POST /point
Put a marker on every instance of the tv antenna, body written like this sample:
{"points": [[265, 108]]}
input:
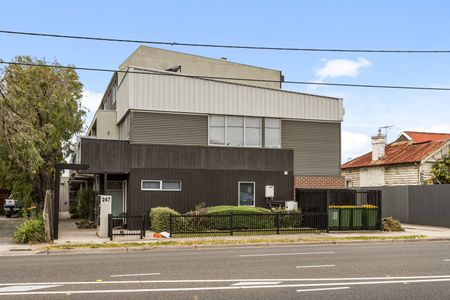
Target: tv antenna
{"points": [[385, 128]]}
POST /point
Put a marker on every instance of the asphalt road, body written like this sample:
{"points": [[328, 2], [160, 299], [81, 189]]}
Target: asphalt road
{"points": [[401, 270]]}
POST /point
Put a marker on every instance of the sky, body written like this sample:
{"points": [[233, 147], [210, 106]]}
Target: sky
{"points": [[379, 24]]}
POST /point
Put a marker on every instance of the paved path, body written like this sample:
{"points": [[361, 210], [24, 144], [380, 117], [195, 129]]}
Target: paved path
{"points": [[7, 227], [419, 270]]}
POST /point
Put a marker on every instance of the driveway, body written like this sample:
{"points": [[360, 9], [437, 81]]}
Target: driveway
{"points": [[7, 227]]}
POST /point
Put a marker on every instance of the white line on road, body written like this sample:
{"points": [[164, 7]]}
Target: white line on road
{"points": [[316, 266], [25, 288], [446, 259], [131, 275], [286, 254], [218, 288], [325, 289], [256, 283], [115, 282]]}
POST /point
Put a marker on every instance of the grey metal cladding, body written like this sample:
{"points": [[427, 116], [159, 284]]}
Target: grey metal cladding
{"points": [[316, 145], [169, 129]]}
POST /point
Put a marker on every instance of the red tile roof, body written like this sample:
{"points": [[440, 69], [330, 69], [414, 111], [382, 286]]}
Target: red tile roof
{"points": [[420, 147], [420, 137]]}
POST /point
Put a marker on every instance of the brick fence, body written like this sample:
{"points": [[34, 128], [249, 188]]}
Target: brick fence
{"points": [[319, 182]]}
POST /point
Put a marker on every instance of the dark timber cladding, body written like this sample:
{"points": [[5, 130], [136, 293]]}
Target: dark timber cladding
{"points": [[115, 156], [213, 187], [207, 174], [317, 146]]}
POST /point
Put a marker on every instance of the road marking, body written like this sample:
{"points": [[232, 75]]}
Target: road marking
{"points": [[115, 282], [325, 289], [446, 259], [25, 288], [316, 266], [256, 283], [131, 275], [218, 288], [286, 254]]}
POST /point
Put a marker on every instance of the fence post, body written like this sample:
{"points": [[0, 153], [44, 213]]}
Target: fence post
{"points": [[277, 221], [110, 221], [143, 226], [170, 225], [380, 209], [327, 215], [231, 223]]}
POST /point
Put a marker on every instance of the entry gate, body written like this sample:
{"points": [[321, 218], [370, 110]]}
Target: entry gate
{"points": [[126, 226]]}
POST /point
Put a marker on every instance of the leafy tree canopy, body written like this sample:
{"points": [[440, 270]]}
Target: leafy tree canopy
{"points": [[40, 111], [441, 170]]}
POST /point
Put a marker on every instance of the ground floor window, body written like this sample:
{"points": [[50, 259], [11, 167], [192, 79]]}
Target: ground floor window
{"points": [[161, 185], [246, 193]]}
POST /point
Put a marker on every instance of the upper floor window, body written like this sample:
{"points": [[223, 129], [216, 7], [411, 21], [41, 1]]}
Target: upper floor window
{"points": [[235, 131], [272, 133]]}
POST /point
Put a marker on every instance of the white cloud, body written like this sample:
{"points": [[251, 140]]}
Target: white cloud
{"points": [[341, 68], [354, 144], [90, 101]]}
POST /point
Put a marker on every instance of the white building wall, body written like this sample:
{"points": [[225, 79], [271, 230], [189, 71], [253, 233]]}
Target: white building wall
{"points": [[352, 176], [373, 176], [181, 94]]}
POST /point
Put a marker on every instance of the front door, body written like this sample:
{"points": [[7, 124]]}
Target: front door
{"points": [[116, 190]]}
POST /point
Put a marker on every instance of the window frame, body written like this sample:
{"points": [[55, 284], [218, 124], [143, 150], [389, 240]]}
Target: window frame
{"points": [[254, 193], [279, 132], [261, 128], [160, 185]]}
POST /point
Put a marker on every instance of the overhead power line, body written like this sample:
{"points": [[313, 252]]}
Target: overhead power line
{"points": [[248, 47], [157, 73]]}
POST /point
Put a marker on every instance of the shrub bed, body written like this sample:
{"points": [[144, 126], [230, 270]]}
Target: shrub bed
{"points": [[30, 231], [218, 218], [391, 224]]}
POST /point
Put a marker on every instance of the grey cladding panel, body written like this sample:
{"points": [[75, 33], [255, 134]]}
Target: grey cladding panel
{"points": [[171, 129], [317, 146]]}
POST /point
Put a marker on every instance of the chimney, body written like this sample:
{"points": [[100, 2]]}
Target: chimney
{"points": [[378, 146]]}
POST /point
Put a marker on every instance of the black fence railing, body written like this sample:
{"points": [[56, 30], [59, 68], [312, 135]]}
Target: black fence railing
{"points": [[229, 224], [348, 209], [126, 226]]}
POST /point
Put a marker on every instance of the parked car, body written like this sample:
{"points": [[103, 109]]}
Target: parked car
{"points": [[12, 207]]}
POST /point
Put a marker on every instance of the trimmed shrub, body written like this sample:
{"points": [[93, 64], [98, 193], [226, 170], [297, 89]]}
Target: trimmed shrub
{"points": [[391, 224], [240, 221], [159, 217], [227, 209], [30, 231], [290, 218]]}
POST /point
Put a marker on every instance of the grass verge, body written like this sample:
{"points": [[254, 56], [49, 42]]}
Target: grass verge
{"points": [[164, 243]]}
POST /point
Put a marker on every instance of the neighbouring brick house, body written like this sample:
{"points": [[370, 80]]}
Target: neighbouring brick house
{"points": [[406, 161]]}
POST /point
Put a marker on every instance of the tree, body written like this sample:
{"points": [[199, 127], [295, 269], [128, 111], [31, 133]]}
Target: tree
{"points": [[40, 112], [441, 170]]}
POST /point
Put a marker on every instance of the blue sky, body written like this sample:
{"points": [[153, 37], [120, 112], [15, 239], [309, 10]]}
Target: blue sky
{"points": [[316, 24]]}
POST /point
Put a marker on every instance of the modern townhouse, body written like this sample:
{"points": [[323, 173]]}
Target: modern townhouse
{"points": [[176, 129]]}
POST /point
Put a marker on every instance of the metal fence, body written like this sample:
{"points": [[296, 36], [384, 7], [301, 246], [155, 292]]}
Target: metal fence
{"points": [[127, 226], [230, 224], [422, 204], [347, 209]]}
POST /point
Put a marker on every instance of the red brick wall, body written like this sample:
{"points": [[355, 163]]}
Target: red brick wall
{"points": [[319, 182]]}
